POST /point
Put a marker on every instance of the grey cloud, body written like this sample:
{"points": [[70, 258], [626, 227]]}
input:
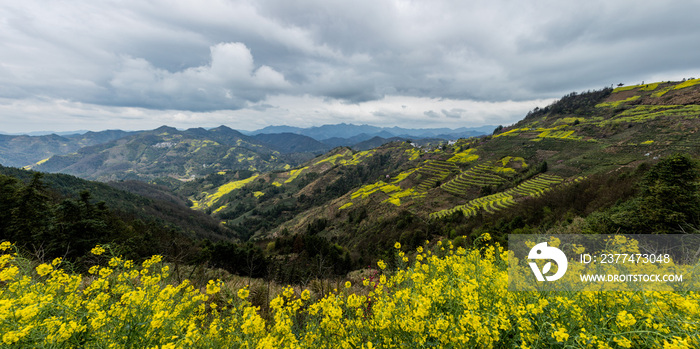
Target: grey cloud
{"points": [[431, 114], [454, 113], [236, 54]]}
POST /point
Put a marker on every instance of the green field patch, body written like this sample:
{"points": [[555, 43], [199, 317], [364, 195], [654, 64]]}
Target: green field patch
{"points": [[477, 176], [558, 134], [662, 92], [513, 132], [616, 104], [687, 83], [403, 175], [220, 209], [210, 199], [649, 87], [413, 154], [394, 201], [644, 113], [625, 88], [356, 158], [464, 156], [367, 190], [434, 172], [569, 120], [495, 202], [293, 174], [331, 159]]}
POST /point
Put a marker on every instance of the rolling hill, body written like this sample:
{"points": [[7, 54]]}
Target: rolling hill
{"points": [[27, 151], [597, 145], [591, 162], [168, 152]]}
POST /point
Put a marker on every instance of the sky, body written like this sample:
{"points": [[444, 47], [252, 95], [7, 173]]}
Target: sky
{"points": [[136, 64]]}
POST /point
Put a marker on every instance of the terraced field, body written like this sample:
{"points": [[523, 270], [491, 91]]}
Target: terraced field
{"points": [[491, 203], [433, 172], [480, 175]]}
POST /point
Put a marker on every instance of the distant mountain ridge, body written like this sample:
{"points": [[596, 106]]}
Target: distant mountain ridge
{"points": [[169, 152], [343, 130], [33, 149], [25, 150]]}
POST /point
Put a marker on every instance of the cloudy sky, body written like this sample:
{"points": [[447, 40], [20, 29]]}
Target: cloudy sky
{"points": [[136, 64]]}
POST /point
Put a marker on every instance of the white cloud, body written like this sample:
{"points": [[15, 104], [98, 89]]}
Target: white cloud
{"points": [[229, 81]]}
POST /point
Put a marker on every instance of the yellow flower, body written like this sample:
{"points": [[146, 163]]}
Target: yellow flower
{"points": [[243, 293], [5, 246], [213, 287], [381, 264], [623, 342], [97, 250], [348, 284], [354, 301], [625, 319], [305, 295], [397, 245], [10, 337], [9, 274], [560, 335], [43, 269]]}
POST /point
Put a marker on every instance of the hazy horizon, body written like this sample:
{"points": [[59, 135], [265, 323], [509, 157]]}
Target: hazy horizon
{"points": [[82, 131]]}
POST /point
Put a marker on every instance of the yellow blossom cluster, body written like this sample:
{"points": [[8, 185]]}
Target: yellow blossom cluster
{"points": [[448, 298]]}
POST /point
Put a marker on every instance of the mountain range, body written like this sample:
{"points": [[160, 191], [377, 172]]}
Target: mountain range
{"points": [[326, 132], [24, 150], [168, 152], [611, 161]]}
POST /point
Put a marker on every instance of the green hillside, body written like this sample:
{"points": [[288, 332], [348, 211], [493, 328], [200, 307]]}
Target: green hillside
{"points": [[611, 160], [27, 151], [169, 153], [581, 155], [59, 215], [433, 219]]}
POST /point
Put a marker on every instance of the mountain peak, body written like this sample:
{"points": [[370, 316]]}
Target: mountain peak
{"points": [[165, 128]]}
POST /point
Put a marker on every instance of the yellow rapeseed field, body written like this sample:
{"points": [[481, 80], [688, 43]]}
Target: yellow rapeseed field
{"points": [[440, 297]]}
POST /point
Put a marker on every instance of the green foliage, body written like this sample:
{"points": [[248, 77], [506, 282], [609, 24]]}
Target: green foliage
{"points": [[50, 224], [668, 202], [669, 195]]}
